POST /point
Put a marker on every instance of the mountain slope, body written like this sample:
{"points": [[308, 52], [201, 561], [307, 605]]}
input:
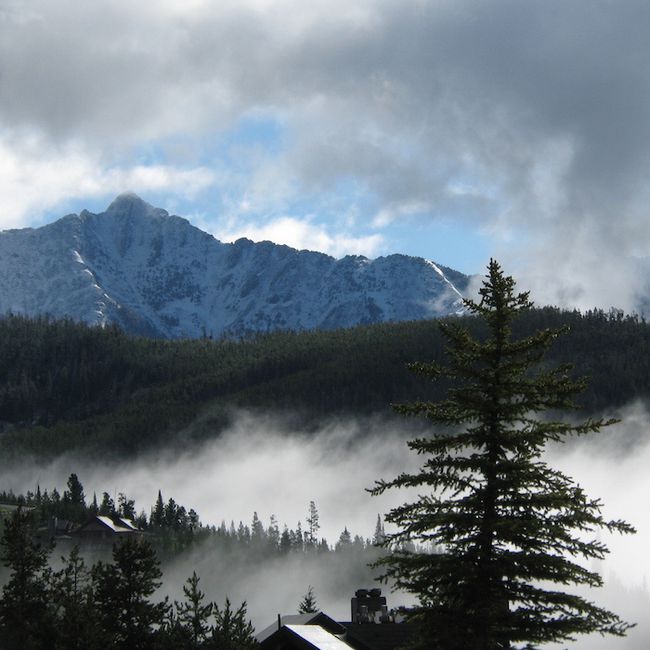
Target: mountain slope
{"points": [[66, 386], [157, 275]]}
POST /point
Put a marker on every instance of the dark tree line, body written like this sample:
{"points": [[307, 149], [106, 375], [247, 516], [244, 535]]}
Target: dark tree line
{"points": [[173, 528], [108, 605], [64, 385]]}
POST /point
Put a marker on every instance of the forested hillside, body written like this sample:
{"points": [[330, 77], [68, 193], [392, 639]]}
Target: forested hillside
{"points": [[66, 386]]}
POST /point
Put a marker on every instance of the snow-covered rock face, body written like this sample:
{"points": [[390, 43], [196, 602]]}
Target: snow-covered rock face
{"points": [[157, 275]]}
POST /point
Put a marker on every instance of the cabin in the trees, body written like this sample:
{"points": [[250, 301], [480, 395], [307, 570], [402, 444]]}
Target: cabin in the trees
{"points": [[372, 627], [101, 529]]}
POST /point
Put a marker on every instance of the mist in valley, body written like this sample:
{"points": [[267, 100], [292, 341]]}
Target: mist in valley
{"points": [[262, 465]]}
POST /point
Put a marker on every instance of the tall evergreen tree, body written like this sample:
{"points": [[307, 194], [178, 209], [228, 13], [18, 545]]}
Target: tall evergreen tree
{"points": [[273, 535], [193, 615], [298, 541], [285, 541], [502, 522], [122, 591], [73, 598], [107, 506], [380, 533], [75, 492], [158, 511], [258, 534], [313, 526]]}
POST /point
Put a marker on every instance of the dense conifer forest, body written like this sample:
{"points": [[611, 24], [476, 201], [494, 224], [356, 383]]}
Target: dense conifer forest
{"points": [[65, 386], [64, 592]]}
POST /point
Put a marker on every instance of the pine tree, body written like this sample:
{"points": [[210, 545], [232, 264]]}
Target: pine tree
{"points": [[308, 603], [273, 537], [158, 512], [107, 506], [125, 506], [379, 535], [73, 598], [299, 541], [258, 534], [192, 615], [232, 630], [75, 492], [345, 540], [502, 522], [26, 617], [122, 591], [313, 526], [285, 541]]}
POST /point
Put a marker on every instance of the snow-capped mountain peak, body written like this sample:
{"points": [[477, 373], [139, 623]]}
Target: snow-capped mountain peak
{"points": [[156, 274]]}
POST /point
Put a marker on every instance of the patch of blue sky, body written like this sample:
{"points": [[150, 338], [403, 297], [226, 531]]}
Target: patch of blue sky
{"points": [[72, 205], [450, 242], [457, 241], [255, 129], [345, 201]]}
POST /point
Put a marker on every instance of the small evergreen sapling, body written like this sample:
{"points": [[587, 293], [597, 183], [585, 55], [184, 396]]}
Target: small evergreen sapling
{"points": [[308, 604], [502, 523]]}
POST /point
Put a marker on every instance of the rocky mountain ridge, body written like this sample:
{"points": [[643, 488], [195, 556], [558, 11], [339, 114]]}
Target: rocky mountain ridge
{"points": [[155, 274]]}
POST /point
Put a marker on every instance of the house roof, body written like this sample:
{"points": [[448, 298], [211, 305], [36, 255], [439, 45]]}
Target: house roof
{"points": [[116, 526], [318, 637], [127, 523], [303, 637], [319, 631], [315, 618], [109, 523]]}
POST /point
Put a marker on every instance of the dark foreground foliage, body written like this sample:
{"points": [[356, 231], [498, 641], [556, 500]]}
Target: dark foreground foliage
{"points": [[66, 386], [105, 606]]}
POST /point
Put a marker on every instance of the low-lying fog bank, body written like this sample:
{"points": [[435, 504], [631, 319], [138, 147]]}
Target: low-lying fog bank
{"points": [[260, 466]]}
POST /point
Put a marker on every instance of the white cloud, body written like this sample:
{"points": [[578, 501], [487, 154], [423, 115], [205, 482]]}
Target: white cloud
{"points": [[305, 234], [389, 213], [35, 177]]}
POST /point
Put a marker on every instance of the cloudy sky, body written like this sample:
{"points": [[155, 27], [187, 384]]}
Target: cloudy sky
{"points": [[451, 129]]}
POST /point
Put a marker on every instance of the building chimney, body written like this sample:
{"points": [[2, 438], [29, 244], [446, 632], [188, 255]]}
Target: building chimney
{"points": [[369, 606]]}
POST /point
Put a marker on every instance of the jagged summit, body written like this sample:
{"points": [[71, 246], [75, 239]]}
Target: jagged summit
{"points": [[157, 275], [130, 204]]}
